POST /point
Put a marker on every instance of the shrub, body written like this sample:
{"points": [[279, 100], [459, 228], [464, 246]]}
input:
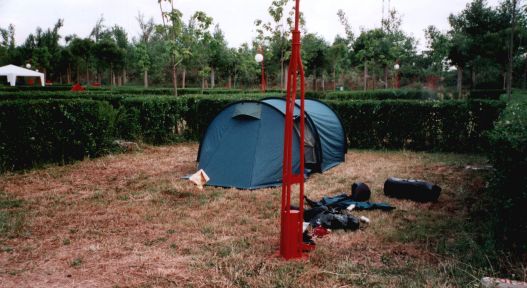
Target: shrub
{"points": [[53, 131], [508, 155], [489, 94], [382, 95], [457, 126]]}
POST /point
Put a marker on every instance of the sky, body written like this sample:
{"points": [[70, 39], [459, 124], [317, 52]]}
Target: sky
{"points": [[235, 17]]}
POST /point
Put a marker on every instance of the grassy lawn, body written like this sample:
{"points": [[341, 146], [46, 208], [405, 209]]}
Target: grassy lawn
{"points": [[129, 220]]}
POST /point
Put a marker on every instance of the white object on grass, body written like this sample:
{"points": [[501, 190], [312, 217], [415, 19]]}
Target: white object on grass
{"points": [[304, 226], [364, 219], [199, 178], [351, 207]]}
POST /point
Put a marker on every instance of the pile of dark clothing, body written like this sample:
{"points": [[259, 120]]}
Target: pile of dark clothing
{"points": [[335, 212]]}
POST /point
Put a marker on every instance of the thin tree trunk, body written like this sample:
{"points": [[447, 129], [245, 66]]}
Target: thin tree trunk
{"points": [[229, 83], [473, 75], [282, 76], [459, 82], [335, 78], [87, 73], [365, 76], [374, 80], [504, 80], [78, 74], [145, 78], [315, 79], [511, 49], [286, 72], [202, 84], [69, 73], [184, 78], [212, 78], [323, 83], [125, 78], [524, 75], [174, 79], [385, 76]]}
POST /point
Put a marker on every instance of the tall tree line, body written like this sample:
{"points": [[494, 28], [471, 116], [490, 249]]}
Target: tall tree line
{"points": [[483, 48]]}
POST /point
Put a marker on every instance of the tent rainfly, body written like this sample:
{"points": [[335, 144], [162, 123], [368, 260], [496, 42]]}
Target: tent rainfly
{"points": [[12, 71], [243, 145]]}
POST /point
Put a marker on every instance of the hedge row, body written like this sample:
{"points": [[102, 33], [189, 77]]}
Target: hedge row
{"points": [[454, 126], [489, 94], [42, 131], [39, 131], [508, 188], [385, 94]]}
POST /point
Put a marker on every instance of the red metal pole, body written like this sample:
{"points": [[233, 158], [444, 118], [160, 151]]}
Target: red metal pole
{"points": [[291, 244]]}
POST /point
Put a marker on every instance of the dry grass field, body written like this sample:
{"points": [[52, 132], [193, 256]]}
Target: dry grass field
{"points": [[129, 220]]}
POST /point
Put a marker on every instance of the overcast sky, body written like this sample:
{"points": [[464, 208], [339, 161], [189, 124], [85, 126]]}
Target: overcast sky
{"points": [[236, 17]]}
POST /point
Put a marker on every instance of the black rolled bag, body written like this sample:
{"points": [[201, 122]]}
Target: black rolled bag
{"points": [[416, 190]]}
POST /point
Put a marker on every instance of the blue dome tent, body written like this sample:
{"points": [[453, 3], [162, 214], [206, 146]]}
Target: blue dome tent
{"points": [[243, 145]]}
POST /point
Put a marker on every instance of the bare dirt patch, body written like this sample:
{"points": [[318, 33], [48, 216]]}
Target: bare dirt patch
{"points": [[129, 220]]}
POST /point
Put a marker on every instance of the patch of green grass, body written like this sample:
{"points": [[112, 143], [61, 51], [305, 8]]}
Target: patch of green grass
{"points": [[77, 262], [12, 216]]}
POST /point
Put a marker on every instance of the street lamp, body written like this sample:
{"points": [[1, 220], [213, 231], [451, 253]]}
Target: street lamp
{"points": [[397, 76], [259, 57]]}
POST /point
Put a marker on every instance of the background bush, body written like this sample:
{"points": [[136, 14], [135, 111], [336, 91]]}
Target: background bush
{"points": [[414, 94], [489, 94], [452, 126], [508, 190], [457, 126], [35, 132]]}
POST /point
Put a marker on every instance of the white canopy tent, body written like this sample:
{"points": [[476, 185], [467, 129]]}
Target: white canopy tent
{"points": [[12, 71]]}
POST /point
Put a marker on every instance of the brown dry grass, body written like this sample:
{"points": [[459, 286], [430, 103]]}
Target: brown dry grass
{"points": [[129, 220]]}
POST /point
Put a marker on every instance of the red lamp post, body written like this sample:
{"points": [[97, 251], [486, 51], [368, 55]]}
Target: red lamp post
{"points": [[291, 244], [259, 57]]}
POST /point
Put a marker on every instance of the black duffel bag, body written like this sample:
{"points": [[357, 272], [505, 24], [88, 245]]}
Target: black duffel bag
{"points": [[416, 190]]}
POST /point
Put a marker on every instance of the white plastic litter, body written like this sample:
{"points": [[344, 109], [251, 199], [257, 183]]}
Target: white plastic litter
{"points": [[351, 207], [364, 219], [199, 178], [304, 226]]}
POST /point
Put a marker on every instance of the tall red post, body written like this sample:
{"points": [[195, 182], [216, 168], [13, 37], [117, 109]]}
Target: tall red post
{"points": [[291, 244]]}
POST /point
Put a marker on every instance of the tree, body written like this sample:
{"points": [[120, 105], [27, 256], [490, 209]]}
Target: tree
{"points": [[143, 61], [7, 44], [338, 57], [173, 27], [108, 54], [143, 57], [121, 39], [276, 36], [83, 49], [314, 56]]}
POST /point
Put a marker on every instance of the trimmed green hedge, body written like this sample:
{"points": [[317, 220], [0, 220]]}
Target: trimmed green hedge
{"points": [[488, 94], [382, 95], [394, 124], [42, 131], [454, 126], [508, 189]]}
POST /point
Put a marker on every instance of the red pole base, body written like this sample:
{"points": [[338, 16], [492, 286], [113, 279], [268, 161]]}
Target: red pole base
{"points": [[291, 246]]}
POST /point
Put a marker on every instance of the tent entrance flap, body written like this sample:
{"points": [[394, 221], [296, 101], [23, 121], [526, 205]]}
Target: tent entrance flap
{"points": [[251, 109]]}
